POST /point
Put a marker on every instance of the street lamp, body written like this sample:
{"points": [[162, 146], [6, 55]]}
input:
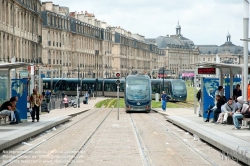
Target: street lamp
{"points": [[78, 87]]}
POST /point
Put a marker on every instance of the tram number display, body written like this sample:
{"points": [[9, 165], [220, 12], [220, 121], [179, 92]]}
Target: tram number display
{"points": [[206, 70]]}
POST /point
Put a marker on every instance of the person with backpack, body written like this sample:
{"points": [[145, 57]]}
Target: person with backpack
{"points": [[198, 95], [164, 100]]}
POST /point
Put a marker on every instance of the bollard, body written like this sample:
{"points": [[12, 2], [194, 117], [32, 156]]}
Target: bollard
{"points": [[157, 96]]}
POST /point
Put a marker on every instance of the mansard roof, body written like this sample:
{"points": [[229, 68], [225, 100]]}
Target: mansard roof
{"points": [[173, 41], [214, 49]]}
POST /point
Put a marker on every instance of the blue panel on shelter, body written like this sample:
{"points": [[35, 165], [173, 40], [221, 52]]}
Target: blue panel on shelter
{"points": [[208, 95], [19, 87]]}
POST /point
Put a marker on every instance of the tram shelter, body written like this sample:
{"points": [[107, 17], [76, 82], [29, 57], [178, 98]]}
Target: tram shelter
{"points": [[5, 80], [203, 68], [14, 87]]}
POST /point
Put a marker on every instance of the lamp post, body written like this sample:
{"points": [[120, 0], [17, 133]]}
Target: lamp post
{"points": [[78, 87]]}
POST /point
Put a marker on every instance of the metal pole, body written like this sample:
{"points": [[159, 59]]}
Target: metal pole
{"points": [[78, 89], [195, 86], [163, 79], [118, 102], [245, 44]]}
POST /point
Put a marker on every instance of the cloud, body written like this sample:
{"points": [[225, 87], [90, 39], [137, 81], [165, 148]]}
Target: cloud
{"points": [[204, 22]]}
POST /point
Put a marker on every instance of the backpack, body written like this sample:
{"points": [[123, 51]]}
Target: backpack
{"points": [[198, 95], [167, 98]]}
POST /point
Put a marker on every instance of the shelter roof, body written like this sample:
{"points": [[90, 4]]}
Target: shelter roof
{"points": [[236, 69], [14, 65]]}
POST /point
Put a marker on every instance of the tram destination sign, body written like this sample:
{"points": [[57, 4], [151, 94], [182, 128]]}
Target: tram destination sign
{"points": [[211, 71]]}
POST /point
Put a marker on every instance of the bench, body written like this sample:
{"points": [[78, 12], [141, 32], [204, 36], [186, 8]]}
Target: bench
{"points": [[3, 117], [246, 121]]}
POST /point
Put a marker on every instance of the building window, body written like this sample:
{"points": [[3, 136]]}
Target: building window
{"points": [[204, 59], [214, 59], [208, 59]]}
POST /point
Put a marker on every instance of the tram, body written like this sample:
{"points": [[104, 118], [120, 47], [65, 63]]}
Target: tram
{"points": [[174, 88], [138, 93]]}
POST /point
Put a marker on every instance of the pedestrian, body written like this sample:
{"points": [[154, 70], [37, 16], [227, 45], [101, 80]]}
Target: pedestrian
{"points": [[86, 97], [237, 92], [89, 91], [66, 101], [163, 101], [35, 102], [198, 96], [43, 93]]}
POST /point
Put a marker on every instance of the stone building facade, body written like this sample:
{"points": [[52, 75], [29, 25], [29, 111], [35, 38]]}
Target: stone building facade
{"points": [[131, 53], [227, 52], [20, 31], [72, 39], [71, 44], [181, 53]]}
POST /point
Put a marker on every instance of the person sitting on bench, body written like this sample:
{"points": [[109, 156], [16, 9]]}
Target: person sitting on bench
{"points": [[16, 112], [6, 109], [217, 110], [239, 114], [229, 109]]}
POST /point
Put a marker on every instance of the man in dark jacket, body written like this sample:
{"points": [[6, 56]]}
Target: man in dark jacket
{"points": [[217, 111]]}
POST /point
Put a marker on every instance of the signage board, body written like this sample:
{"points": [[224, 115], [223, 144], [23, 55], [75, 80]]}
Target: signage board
{"points": [[208, 71], [24, 74]]}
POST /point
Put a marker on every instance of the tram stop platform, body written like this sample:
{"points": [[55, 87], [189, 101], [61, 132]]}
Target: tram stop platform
{"points": [[234, 143], [11, 135]]}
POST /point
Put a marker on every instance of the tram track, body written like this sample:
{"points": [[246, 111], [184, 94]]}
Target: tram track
{"points": [[143, 150], [73, 160], [27, 152], [194, 149], [150, 137]]}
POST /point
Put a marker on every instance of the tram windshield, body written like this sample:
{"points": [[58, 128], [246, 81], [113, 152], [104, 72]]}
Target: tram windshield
{"points": [[138, 89], [179, 87]]}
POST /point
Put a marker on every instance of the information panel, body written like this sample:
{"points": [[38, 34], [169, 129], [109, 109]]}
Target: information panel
{"points": [[207, 71]]}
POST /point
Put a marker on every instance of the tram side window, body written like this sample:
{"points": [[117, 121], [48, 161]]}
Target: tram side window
{"points": [[63, 86], [85, 86], [167, 87], [99, 87], [46, 85], [156, 88], [110, 87]]}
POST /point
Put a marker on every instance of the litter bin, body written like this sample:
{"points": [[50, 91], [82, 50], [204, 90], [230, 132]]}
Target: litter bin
{"points": [[157, 96]]}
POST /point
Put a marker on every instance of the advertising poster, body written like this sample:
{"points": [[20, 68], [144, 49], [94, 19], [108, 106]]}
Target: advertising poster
{"points": [[210, 85], [19, 88]]}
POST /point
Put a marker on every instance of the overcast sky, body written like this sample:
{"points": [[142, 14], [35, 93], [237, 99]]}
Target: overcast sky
{"points": [[202, 21]]}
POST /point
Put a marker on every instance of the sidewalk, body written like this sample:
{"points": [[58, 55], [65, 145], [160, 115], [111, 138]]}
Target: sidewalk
{"points": [[13, 134], [232, 142]]}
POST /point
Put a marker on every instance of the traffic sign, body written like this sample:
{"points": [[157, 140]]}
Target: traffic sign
{"points": [[117, 82], [117, 74]]}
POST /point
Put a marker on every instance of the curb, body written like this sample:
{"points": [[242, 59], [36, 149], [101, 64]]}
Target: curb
{"points": [[31, 131]]}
